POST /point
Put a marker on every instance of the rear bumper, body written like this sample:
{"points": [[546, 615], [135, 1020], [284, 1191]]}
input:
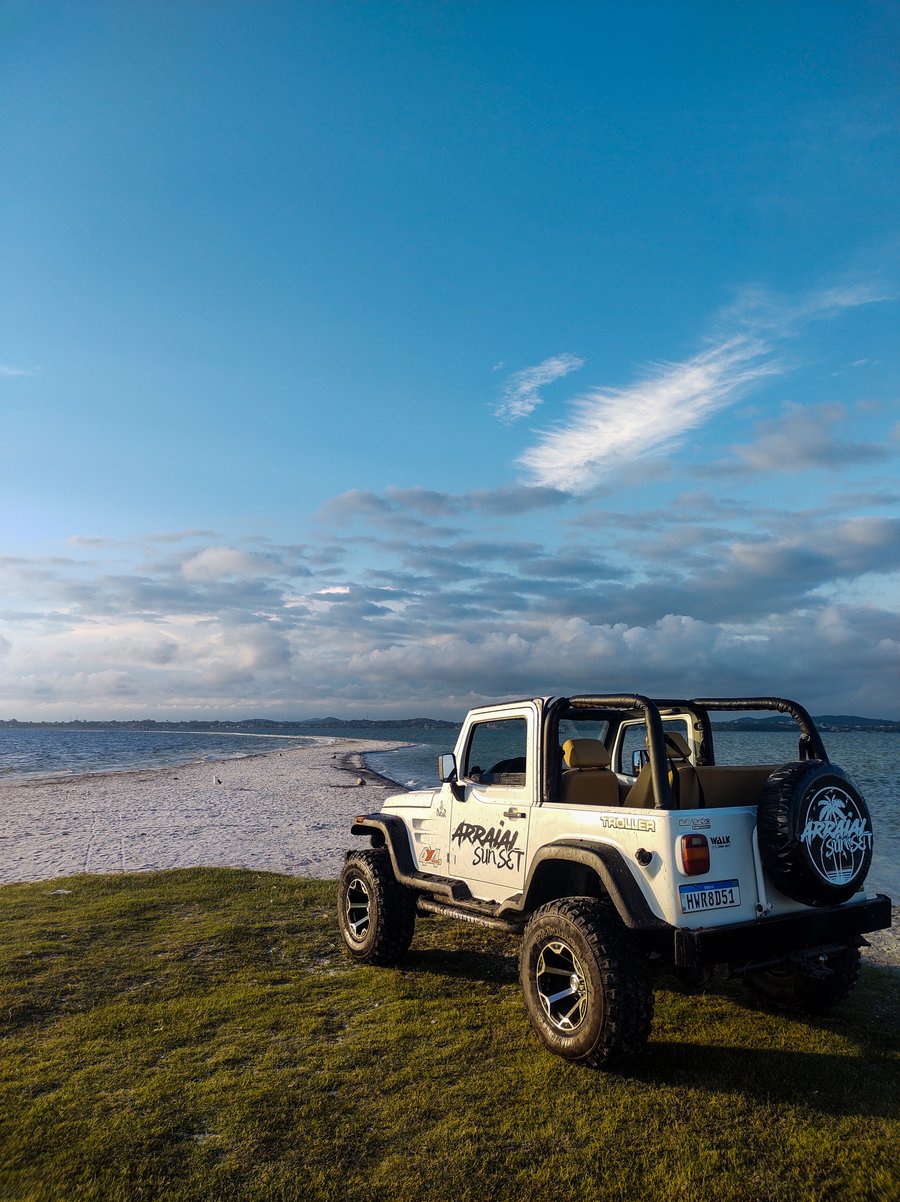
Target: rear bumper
{"points": [[768, 939]]}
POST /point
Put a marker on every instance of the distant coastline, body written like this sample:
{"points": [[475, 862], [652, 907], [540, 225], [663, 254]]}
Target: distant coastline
{"points": [[825, 722], [243, 726]]}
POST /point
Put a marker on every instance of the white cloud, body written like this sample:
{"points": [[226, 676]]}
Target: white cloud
{"points": [[829, 301], [446, 624], [613, 426], [213, 563], [7, 371], [521, 395], [763, 313]]}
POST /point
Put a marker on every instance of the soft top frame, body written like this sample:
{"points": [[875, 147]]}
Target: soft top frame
{"points": [[650, 709]]}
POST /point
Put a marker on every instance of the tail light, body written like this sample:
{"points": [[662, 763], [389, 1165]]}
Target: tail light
{"points": [[694, 854]]}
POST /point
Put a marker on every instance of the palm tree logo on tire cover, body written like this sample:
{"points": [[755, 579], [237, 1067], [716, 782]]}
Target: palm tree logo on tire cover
{"points": [[836, 835]]}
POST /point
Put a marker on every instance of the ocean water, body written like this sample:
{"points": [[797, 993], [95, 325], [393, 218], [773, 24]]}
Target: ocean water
{"points": [[26, 754], [871, 759]]}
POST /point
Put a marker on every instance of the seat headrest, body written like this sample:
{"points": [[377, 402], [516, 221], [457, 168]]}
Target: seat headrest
{"points": [[585, 753], [677, 746]]}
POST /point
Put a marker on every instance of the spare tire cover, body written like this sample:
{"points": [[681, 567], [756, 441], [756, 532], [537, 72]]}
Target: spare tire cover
{"points": [[815, 833]]}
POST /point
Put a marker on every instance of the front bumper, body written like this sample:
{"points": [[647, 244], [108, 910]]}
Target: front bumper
{"points": [[769, 939]]}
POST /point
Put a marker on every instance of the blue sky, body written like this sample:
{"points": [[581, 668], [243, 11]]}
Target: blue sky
{"points": [[391, 357]]}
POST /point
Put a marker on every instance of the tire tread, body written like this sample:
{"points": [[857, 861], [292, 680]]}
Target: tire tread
{"points": [[392, 909], [802, 992], [628, 997]]}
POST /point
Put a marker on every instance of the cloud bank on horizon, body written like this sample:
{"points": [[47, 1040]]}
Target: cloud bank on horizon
{"points": [[413, 599], [446, 357]]}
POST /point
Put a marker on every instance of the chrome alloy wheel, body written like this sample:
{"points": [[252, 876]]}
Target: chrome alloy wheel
{"points": [[561, 986], [357, 908]]}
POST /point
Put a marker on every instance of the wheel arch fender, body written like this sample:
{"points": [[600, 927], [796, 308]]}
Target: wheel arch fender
{"points": [[390, 832], [387, 830], [611, 869]]}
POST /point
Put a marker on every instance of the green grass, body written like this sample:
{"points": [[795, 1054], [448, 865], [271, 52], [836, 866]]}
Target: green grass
{"points": [[200, 1035]]}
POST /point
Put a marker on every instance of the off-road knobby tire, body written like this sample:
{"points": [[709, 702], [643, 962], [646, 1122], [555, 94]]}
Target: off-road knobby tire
{"points": [[619, 996], [801, 990], [784, 805], [391, 909]]}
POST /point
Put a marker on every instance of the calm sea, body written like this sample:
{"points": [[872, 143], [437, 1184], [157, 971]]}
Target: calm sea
{"points": [[30, 753], [872, 760]]}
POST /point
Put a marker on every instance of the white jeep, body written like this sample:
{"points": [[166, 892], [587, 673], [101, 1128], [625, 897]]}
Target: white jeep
{"points": [[603, 829]]}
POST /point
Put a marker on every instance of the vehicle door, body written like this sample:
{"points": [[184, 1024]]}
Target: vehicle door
{"points": [[496, 785]]}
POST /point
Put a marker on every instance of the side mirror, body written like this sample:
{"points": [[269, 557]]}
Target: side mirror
{"points": [[638, 759], [447, 768]]}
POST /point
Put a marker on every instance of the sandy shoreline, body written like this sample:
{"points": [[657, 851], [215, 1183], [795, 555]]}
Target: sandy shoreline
{"points": [[284, 811]]}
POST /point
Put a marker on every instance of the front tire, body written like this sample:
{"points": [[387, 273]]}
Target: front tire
{"points": [[587, 992], [810, 988], [376, 914]]}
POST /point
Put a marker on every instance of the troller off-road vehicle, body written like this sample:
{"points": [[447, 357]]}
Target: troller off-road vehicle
{"points": [[604, 830]]}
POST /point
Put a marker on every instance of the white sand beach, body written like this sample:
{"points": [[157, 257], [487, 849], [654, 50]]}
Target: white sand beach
{"points": [[288, 811]]}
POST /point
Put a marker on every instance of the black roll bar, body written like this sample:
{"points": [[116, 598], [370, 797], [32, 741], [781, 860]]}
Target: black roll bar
{"points": [[796, 711], [656, 743]]}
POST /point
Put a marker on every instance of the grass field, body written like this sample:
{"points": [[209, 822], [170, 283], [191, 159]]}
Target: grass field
{"points": [[200, 1035]]}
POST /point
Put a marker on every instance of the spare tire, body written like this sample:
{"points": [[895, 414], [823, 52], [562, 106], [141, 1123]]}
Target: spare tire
{"points": [[815, 833]]}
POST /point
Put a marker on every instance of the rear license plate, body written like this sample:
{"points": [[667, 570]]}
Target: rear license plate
{"points": [[711, 895]]}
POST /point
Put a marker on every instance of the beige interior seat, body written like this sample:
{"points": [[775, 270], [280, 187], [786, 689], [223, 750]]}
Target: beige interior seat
{"points": [[688, 793], [677, 747], [640, 795], [587, 778], [683, 779]]}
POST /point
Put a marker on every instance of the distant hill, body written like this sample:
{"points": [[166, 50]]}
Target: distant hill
{"points": [[247, 726], [363, 723], [267, 726], [825, 722]]}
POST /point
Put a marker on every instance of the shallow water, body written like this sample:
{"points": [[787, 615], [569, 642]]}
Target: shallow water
{"points": [[29, 753]]}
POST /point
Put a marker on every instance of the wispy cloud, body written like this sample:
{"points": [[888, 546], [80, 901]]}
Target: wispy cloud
{"points": [[90, 540], [416, 507], [177, 536], [521, 394], [613, 426], [7, 369], [762, 313], [828, 302]]}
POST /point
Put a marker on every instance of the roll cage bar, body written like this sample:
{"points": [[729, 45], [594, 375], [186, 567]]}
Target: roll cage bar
{"points": [[615, 706]]}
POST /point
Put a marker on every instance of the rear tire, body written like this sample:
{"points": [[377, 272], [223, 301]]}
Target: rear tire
{"points": [[376, 914], [587, 992], [806, 990]]}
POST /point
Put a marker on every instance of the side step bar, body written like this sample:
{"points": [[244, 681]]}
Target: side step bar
{"points": [[425, 905]]}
